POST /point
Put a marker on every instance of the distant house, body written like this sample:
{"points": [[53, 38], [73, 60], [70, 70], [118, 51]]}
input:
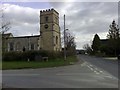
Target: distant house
{"points": [[104, 41]]}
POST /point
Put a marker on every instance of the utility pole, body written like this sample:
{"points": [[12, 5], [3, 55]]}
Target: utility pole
{"points": [[64, 40]]}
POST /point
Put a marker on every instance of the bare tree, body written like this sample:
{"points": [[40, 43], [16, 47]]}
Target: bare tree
{"points": [[5, 24], [70, 43], [87, 48]]}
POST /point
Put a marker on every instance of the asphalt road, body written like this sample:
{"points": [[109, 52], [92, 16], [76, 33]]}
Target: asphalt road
{"points": [[109, 65], [80, 75]]}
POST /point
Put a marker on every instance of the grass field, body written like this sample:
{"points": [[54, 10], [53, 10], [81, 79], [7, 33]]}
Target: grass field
{"points": [[35, 64]]}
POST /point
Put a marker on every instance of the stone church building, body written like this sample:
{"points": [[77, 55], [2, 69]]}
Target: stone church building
{"points": [[49, 38]]}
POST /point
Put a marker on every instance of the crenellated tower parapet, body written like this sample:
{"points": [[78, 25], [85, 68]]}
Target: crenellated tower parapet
{"points": [[49, 11]]}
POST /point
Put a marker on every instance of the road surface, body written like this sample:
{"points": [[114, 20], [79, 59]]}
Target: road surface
{"points": [[109, 65], [80, 75]]}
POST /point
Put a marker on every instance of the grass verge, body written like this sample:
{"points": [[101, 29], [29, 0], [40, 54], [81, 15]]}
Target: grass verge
{"points": [[34, 64]]}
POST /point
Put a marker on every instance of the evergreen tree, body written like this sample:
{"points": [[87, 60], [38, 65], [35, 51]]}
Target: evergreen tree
{"points": [[113, 31], [96, 44], [114, 38]]}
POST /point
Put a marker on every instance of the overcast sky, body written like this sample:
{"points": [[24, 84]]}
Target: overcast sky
{"points": [[83, 19]]}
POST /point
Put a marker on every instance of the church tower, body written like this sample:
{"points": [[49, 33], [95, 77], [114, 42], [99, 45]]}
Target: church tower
{"points": [[50, 31]]}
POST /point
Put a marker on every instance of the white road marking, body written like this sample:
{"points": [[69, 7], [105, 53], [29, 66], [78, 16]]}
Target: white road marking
{"points": [[96, 68], [101, 71], [108, 76], [97, 73], [88, 66], [91, 65], [91, 69]]}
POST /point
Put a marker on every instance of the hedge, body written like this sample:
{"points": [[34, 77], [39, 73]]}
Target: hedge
{"points": [[24, 56]]}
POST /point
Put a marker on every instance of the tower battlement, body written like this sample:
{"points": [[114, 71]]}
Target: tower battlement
{"points": [[49, 11]]}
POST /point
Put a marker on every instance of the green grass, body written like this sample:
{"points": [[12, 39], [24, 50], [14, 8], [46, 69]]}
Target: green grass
{"points": [[35, 64]]}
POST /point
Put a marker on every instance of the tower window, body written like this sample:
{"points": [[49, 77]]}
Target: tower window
{"points": [[56, 19], [46, 19], [56, 39]]}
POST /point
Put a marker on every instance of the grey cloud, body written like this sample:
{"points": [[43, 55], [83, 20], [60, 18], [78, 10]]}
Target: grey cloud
{"points": [[19, 14], [24, 21], [85, 18], [23, 30], [99, 19], [57, 4]]}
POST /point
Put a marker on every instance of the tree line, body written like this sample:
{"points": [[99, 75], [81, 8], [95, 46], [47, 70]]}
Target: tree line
{"points": [[106, 47]]}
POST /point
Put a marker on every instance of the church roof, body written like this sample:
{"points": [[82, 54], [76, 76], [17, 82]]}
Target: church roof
{"points": [[27, 36], [9, 35]]}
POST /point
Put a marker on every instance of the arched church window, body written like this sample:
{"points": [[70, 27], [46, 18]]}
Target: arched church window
{"points": [[18, 46], [32, 46], [11, 46]]}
